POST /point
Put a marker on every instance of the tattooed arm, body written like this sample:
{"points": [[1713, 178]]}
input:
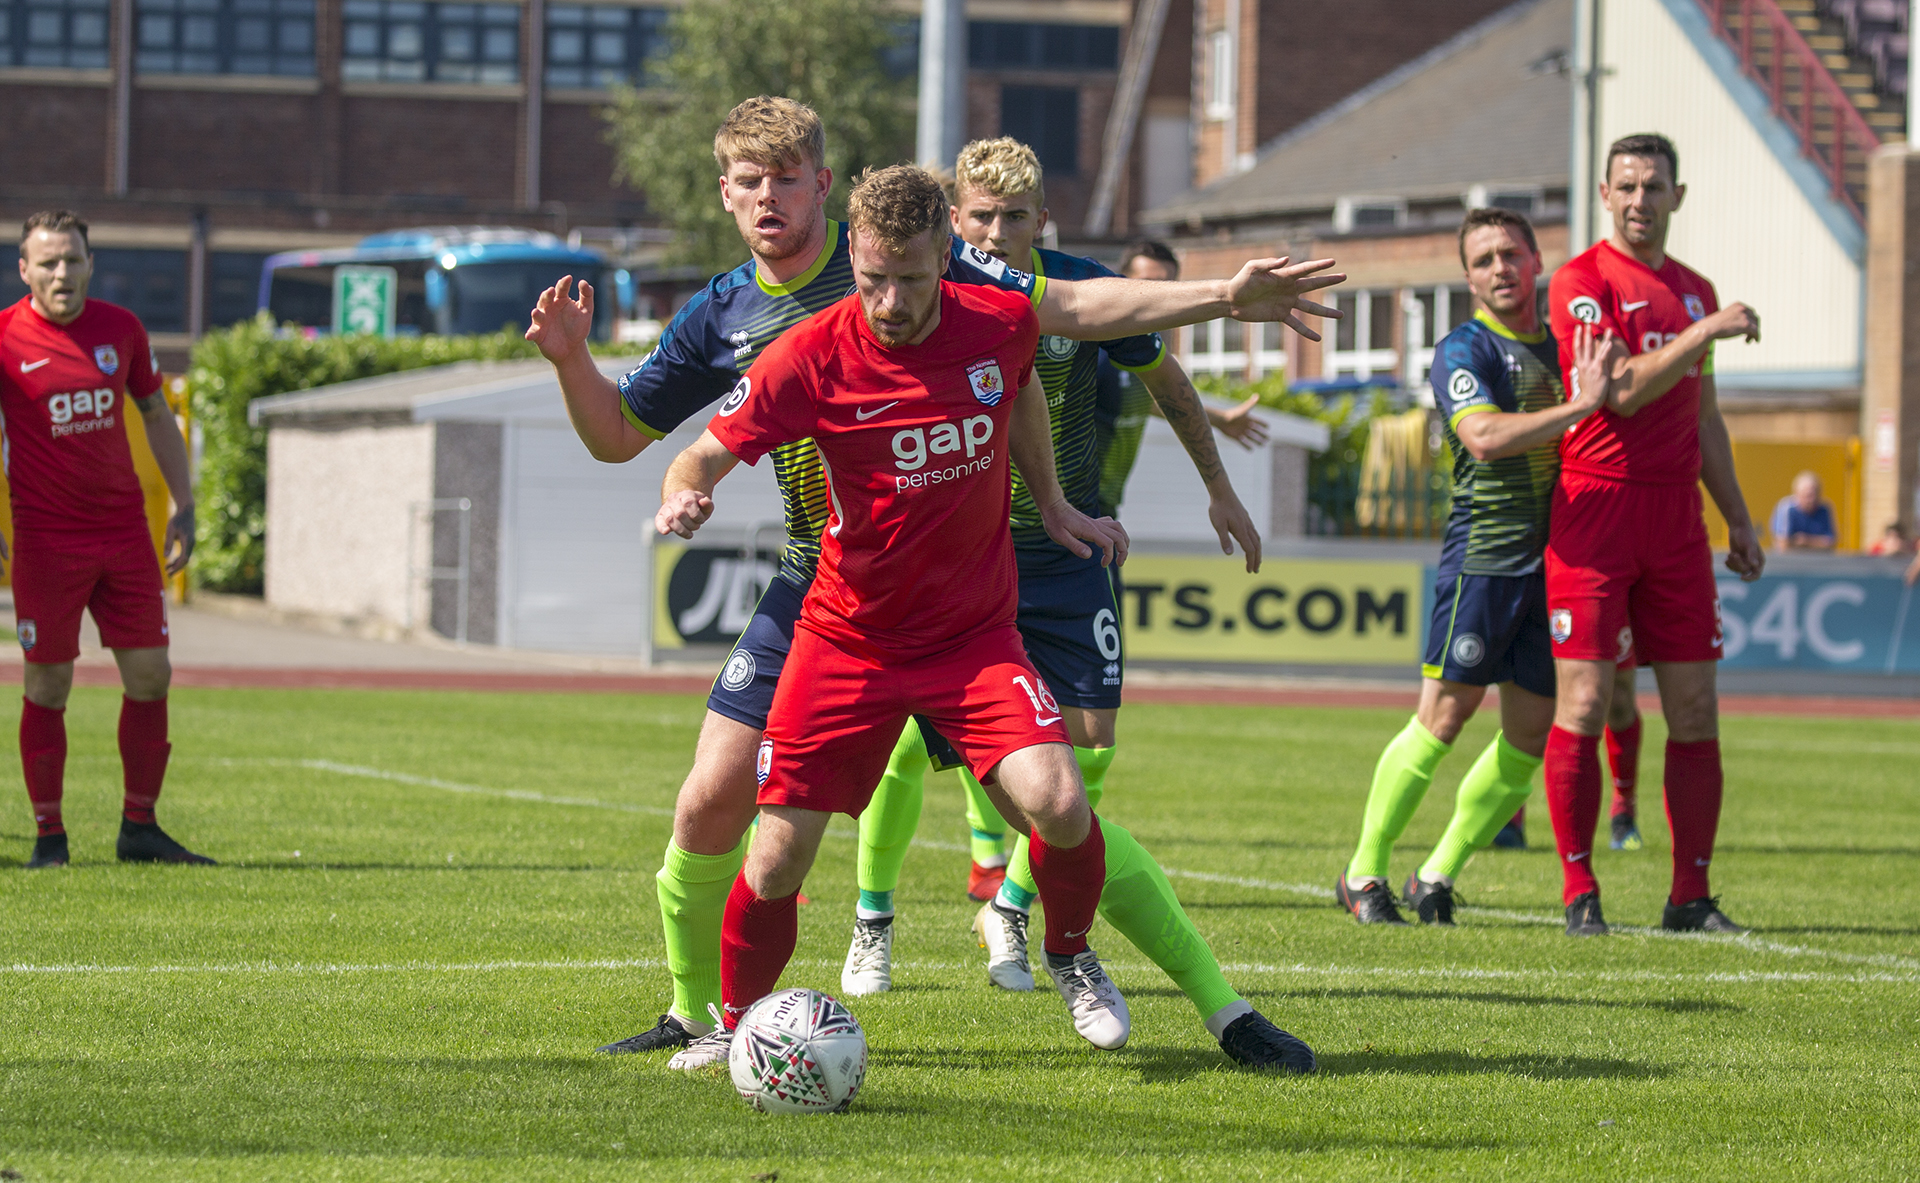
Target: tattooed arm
{"points": [[1184, 412]]}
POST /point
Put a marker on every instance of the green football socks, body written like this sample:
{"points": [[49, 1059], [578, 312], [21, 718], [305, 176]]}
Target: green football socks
{"points": [[693, 897], [1018, 892], [888, 823], [1139, 902], [988, 846], [1400, 780], [1496, 785]]}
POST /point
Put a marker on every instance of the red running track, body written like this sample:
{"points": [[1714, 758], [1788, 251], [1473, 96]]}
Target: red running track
{"points": [[1403, 698]]}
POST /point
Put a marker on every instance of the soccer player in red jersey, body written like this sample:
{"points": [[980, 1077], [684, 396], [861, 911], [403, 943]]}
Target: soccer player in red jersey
{"points": [[68, 366], [917, 392], [1628, 566]]}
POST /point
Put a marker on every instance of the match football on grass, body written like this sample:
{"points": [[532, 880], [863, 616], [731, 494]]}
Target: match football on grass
{"points": [[429, 912]]}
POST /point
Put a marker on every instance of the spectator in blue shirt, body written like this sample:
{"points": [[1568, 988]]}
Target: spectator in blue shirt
{"points": [[1802, 520]]}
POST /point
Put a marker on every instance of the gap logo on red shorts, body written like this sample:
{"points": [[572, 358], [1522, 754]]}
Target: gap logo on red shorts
{"points": [[1560, 624], [764, 766]]}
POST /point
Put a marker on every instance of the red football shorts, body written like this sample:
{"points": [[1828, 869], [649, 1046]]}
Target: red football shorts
{"points": [[835, 717], [114, 576], [1629, 572]]}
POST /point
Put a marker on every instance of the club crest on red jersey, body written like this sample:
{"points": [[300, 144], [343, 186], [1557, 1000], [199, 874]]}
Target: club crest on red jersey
{"points": [[1696, 308], [763, 767], [988, 384], [1560, 624], [28, 633], [107, 358]]}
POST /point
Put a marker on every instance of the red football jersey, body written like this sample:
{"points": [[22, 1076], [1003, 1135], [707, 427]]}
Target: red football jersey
{"points": [[64, 394], [917, 556], [1646, 309]]}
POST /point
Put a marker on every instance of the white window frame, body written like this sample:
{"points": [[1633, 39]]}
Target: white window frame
{"points": [[1345, 208], [1221, 62], [1359, 362], [1268, 357], [1420, 358], [1482, 197], [1203, 350]]}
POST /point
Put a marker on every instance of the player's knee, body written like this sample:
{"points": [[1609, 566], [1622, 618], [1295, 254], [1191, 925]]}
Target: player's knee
{"points": [[48, 685]]}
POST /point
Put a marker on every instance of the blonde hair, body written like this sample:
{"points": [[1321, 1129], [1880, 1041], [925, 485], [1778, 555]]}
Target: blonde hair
{"points": [[897, 204], [771, 131], [999, 168]]}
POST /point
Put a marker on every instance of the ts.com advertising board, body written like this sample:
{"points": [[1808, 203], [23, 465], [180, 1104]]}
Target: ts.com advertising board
{"points": [[1295, 611]]}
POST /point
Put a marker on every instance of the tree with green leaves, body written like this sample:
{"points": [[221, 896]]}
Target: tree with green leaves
{"points": [[828, 54]]}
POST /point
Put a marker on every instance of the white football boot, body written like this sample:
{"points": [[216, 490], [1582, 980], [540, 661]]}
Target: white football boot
{"points": [[1099, 1013], [708, 1051], [1003, 934], [869, 967]]}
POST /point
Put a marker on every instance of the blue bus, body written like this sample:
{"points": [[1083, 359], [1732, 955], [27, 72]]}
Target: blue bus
{"points": [[453, 279]]}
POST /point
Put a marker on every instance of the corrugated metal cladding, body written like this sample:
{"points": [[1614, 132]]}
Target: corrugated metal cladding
{"points": [[1746, 225]]}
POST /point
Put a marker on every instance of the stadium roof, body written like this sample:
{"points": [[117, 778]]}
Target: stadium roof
{"points": [[1493, 105]]}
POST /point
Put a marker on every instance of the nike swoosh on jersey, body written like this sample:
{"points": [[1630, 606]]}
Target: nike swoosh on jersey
{"points": [[30, 367], [863, 415], [1638, 304]]}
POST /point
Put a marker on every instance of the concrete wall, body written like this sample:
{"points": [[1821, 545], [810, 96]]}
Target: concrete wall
{"points": [[466, 464], [339, 508]]}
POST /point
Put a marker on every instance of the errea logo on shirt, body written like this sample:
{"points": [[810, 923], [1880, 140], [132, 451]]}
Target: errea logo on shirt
{"points": [[80, 411]]}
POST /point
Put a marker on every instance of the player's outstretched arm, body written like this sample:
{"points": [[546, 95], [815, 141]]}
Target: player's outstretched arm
{"points": [[1180, 403], [1639, 380], [1745, 557], [1109, 307], [1030, 445], [170, 454], [686, 496], [1491, 435], [560, 325]]}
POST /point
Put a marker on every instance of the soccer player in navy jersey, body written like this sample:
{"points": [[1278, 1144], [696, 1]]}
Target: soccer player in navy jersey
{"points": [[1069, 622], [770, 151]]}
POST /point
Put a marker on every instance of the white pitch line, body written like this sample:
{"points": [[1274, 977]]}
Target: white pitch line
{"points": [[1462, 973], [1751, 943]]}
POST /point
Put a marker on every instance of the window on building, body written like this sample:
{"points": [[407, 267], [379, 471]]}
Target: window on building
{"points": [[407, 41], [1005, 45], [1265, 341], [591, 46], [225, 37], [901, 57], [1363, 337], [1047, 119], [1363, 215], [1527, 200], [152, 284], [1220, 75], [233, 286], [1216, 347], [59, 33], [1432, 313]]}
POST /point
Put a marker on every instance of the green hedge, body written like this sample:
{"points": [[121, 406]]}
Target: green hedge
{"points": [[232, 367]]}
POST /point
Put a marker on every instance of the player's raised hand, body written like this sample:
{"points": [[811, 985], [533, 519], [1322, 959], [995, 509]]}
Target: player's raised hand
{"points": [[562, 322], [684, 512], [1275, 289], [1593, 358], [1075, 531], [179, 533], [1240, 424], [1745, 558], [1735, 320]]}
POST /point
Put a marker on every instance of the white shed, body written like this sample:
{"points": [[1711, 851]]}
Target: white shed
{"points": [[371, 486]]}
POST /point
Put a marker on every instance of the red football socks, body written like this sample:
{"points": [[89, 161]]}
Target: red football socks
{"points": [[143, 756], [1623, 759], [1069, 881], [43, 757], [1694, 783], [1573, 798], [756, 942]]}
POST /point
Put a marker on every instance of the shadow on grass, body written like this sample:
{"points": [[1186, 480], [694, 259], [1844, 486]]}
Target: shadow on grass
{"points": [[1675, 1006], [1534, 1067]]}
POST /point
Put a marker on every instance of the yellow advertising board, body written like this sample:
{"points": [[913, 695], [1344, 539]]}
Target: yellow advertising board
{"points": [[1296, 610]]}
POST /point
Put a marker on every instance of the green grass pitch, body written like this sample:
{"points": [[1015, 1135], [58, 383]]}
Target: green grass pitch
{"points": [[434, 906]]}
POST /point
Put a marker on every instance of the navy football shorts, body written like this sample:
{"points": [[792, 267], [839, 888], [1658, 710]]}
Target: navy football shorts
{"points": [[1488, 629], [744, 690], [1070, 621]]}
